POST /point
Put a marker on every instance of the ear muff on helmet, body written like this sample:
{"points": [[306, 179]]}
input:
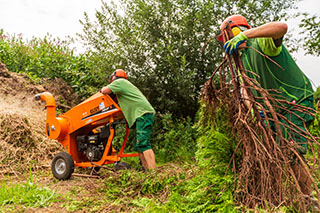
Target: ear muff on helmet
{"points": [[236, 31], [112, 77], [235, 21], [118, 74]]}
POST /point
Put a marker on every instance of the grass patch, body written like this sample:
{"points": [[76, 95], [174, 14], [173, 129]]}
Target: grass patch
{"points": [[28, 194]]}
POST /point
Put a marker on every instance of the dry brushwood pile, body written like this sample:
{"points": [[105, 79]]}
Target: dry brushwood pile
{"points": [[267, 175], [23, 143]]}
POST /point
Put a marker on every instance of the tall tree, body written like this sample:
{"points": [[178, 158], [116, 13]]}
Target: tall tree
{"points": [[158, 42], [311, 32]]}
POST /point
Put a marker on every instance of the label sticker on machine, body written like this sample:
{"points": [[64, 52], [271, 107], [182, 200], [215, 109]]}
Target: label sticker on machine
{"points": [[101, 105], [88, 121], [96, 112]]}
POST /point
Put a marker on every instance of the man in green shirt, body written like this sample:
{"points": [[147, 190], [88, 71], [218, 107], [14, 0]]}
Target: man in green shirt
{"points": [[287, 82], [138, 111]]}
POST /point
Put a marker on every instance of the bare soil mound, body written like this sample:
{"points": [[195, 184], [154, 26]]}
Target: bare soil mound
{"points": [[16, 84], [23, 143]]}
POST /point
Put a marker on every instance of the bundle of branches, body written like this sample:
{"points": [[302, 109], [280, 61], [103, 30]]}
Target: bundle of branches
{"points": [[272, 171]]}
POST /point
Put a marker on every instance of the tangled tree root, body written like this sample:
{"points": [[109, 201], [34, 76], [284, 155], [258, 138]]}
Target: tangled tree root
{"points": [[271, 172]]}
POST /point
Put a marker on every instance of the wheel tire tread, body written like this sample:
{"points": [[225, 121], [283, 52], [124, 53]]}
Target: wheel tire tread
{"points": [[69, 166]]}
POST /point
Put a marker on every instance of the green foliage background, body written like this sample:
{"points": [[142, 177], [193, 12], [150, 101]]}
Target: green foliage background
{"points": [[311, 34], [50, 58], [159, 44]]}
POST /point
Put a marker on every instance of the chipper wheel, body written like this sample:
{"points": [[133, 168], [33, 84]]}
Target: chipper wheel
{"points": [[62, 166]]}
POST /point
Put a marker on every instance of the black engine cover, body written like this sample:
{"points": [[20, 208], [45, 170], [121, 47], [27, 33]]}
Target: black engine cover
{"points": [[93, 146]]}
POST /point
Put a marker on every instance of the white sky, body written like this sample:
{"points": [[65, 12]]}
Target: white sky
{"points": [[60, 18]]}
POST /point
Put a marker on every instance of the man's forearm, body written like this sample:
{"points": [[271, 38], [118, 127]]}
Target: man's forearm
{"points": [[275, 30]]}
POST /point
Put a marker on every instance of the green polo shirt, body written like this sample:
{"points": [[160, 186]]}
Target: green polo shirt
{"points": [[290, 82], [131, 100]]}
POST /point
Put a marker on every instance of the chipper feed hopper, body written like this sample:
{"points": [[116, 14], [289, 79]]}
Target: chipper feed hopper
{"points": [[86, 132]]}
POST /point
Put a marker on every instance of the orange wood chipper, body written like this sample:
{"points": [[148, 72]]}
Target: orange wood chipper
{"points": [[86, 132]]}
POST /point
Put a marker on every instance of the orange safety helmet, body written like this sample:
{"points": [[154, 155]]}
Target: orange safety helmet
{"points": [[118, 74], [235, 21]]}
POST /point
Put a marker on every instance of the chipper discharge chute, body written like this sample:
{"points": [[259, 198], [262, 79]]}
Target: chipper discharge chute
{"points": [[86, 132]]}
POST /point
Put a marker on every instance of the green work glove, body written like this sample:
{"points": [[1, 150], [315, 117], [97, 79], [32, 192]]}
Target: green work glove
{"points": [[232, 45]]}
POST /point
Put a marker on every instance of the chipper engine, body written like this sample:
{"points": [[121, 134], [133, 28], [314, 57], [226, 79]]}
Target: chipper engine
{"points": [[86, 132]]}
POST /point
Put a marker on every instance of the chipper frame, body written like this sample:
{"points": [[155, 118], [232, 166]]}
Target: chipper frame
{"points": [[86, 132]]}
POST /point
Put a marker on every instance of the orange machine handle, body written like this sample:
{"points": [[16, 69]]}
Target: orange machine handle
{"points": [[124, 141], [121, 154]]}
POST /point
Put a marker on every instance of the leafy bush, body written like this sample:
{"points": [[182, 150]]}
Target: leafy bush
{"points": [[217, 141], [206, 185], [211, 188], [314, 128], [317, 95], [50, 58], [174, 140]]}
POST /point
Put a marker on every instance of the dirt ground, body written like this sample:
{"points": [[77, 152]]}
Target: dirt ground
{"points": [[24, 145], [22, 121]]}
